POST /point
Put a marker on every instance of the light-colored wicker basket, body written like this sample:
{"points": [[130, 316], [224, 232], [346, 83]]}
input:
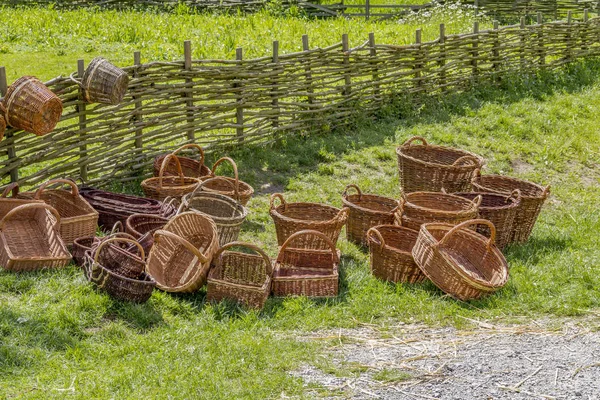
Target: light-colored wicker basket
{"points": [[162, 187], [241, 191]]}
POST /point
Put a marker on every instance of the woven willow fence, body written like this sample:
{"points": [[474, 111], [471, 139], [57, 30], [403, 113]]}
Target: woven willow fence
{"points": [[238, 102]]}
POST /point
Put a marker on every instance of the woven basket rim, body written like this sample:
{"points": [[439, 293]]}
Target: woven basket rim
{"points": [[276, 213], [277, 267], [400, 153], [219, 281], [511, 202], [147, 281], [472, 206], [524, 183], [388, 247], [241, 212], [355, 205]]}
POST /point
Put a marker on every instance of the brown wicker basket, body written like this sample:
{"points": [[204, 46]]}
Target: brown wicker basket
{"points": [[8, 203], [500, 210], [306, 272], [2, 122], [533, 197], [418, 208], [180, 258], [228, 214], [241, 277], [366, 211], [31, 106], [460, 261], [103, 82], [429, 168], [290, 218], [391, 254], [80, 247], [143, 226], [30, 239], [189, 166], [241, 191], [161, 187]]}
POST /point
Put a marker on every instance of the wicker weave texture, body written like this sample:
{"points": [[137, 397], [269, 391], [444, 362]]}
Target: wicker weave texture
{"points": [[189, 166], [239, 191], [103, 82], [163, 187]]}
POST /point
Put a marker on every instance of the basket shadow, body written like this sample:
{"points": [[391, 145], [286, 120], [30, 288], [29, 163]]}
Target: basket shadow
{"points": [[537, 248], [142, 317]]}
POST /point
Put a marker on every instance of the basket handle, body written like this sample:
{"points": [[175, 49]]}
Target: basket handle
{"points": [[281, 199], [185, 243], [192, 146], [269, 265], [77, 82], [546, 191], [163, 167], [343, 214], [412, 139], [103, 244], [463, 225], [374, 231], [477, 201], [29, 206], [74, 189], [14, 187], [462, 159], [235, 172], [516, 194], [476, 174], [168, 201], [352, 186], [117, 227], [185, 204], [308, 232]]}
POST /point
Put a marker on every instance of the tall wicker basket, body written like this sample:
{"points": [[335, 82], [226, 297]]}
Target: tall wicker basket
{"points": [[189, 166]]}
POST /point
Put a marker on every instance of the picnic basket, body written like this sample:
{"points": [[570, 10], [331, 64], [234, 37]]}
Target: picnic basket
{"points": [[500, 210], [241, 191], [31, 106], [460, 261], [30, 239], [290, 218], [102, 268], [306, 272], [242, 277], [189, 166], [103, 82], [418, 208], [366, 211], [533, 197], [227, 213], [429, 168], [180, 257], [162, 187], [390, 248]]}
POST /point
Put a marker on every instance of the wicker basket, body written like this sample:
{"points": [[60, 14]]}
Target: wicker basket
{"points": [[241, 191], [103, 82], [30, 239], [306, 272], [242, 277], [429, 168], [162, 187], [500, 210], [227, 213], [422, 207], [8, 203], [189, 166], [31, 106], [180, 258], [460, 261], [80, 247], [290, 218], [2, 122], [391, 254], [97, 270], [143, 226], [366, 211], [533, 197]]}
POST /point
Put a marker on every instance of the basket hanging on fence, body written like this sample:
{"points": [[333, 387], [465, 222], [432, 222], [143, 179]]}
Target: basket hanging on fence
{"points": [[390, 248], [429, 168], [306, 272], [103, 82], [418, 208], [189, 166], [226, 212], [161, 187], [242, 277], [460, 261], [31, 106], [366, 211], [290, 218], [533, 197], [103, 264], [241, 191], [180, 258], [30, 239], [500, 210]]}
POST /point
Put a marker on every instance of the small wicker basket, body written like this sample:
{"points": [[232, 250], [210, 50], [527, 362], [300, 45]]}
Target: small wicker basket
{"points": [[143, 226], [189, 166], [162, 187], [241, 191], [103, 82]]}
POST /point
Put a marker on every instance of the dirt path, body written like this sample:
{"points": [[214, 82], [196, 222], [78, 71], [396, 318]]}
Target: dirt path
{"points": [[548, 360]]}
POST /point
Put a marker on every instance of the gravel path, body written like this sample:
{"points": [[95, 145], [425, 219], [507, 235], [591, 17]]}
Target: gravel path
{"points": [[551, 360]]}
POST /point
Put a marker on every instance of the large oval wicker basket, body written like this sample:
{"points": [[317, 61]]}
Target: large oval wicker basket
{"points": [[189, 166], [460, 261], [366, 211], [240, 190], [162, 187], [429, 168]]}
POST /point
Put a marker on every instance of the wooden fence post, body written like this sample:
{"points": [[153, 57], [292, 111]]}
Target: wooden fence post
{"points": [[137, 114], [373, 54], [569, 37], [442, 59], [274, 94], [586, 27], [308, 74], [523, 43], [346, 49], [81, 107], [541, 48], [10, 150], [496, 52], [418, 59], [239, 112], [189, 82], [475, 52]]}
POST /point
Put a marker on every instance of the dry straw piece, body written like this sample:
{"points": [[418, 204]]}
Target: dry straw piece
{"points": [[227, 213], [31, 106], [500, 210], [162, 187], [103, 82], [180, 258], [391, 254], [366, 211], [460, 261], [418, 208], [241, 277], [189, 166], [30, 239], [241, 191], [290, 218], [533, 197], [429, 168]]}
